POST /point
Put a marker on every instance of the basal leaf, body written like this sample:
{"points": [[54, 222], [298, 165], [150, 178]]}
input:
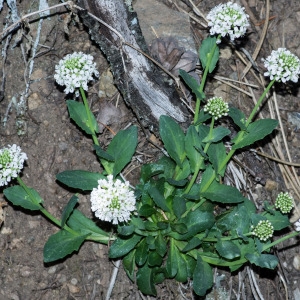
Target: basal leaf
{"points": [[79, 116], [203, 277], [256, 131], [61, 244], [79, 179], [154, 259], [121, 148], [209, 48], [173, 138], [129, 265], [17, 195], [228, 249], [222, 193], [145, 280], [158, 198], [141, 253], [171, 264], [160, 245], [263, 260], [121, 247]]}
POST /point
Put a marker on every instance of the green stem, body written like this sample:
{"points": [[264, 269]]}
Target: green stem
{"points": [[286, 237], [42, 209], [89, 114]]}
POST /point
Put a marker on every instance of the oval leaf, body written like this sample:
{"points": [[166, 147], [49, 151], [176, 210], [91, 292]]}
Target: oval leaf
{"points": [[61, 244], [203, 277], [228, 249], [121, 247], [78, 179]]}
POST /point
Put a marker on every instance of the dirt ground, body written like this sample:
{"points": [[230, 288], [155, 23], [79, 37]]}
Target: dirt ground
{"points": [[41, 126]]}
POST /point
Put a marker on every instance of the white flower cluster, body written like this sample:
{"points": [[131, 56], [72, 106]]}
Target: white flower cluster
{"points": [[297, 225], [216, 107], [75, 70], [11, 163], [112, 201], [282, 65], [228, 18]]}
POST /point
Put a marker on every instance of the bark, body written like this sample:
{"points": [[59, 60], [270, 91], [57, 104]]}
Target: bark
{"points": [[145, 88]]}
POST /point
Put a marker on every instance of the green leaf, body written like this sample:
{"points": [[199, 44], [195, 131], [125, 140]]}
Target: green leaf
{"points": [[79, 179], [179, 183], [192, 83], [192, 244], [203, 277], [182, 273], [278, 220], [145, 280], [17, 195], [154, 260], [217, 153], [150, 170], [121, 148], [216, 135], [179, 206], [160, 245], [80, 223], [203, 116], [171, 264], [68, 210], [158, 198], [238, 117], [193, 140], [256, 131], [79, 116], [205, 51], [263, 260], [222, 193], [129, 264], [61, 244], [121, 247], [141, 253], [228, 249], [102, 154], [146, 210], [196, 222], [126, 230], [173, 138]]}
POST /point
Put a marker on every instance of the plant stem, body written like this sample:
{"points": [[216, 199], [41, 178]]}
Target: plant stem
{"points": [[286, 237], [42, 209], [88, 112]]}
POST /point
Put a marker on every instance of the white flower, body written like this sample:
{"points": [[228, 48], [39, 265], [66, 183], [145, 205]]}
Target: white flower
{"points": [[112, 201], [11, 163], [228, 18], [216, 107], [297, 225], [282, 65], [75, 70]]}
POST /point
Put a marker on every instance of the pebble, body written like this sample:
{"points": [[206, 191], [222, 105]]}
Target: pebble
{"points": [[73, 289], [271, 185], [296, 262], [52, 270]]}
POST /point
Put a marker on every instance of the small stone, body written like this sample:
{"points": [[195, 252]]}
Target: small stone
{"points": [[74, 281], [73, 289], [25, 271], [52, 270], [34, 101], [271, 185], [296, 262]]}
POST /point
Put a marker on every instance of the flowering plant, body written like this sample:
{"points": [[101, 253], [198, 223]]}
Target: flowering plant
{"points": [[168, 226]]}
